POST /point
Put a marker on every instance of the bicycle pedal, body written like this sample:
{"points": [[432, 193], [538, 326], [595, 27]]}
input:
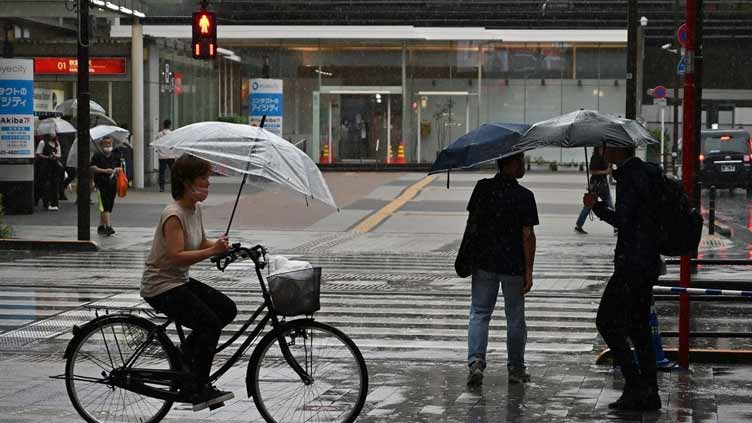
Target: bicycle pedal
{"points": [[217, 405]]}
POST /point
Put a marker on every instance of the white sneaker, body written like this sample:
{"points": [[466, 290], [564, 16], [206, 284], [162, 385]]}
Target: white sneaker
{"points": [[53, 208]]}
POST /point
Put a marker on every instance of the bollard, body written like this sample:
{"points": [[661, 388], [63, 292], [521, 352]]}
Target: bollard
{"points": [[711, 211]]}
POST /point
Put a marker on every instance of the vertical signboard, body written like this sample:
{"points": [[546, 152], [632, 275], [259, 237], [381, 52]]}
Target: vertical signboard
{"points": [[266, 99], [17, 135], [16, 109]]}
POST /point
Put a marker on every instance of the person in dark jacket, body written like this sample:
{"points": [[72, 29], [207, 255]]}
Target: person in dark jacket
{"points": [[598, 184], [504, 250], [50, 171], [624, 310], [105, 166]]}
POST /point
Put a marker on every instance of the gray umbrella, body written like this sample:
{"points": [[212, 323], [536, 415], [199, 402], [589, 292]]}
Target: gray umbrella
{"points": [[584, 128]]}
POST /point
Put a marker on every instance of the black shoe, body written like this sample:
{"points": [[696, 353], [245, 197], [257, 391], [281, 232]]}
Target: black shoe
{"points": [[101, 230], [161, 189], [579, 230], [109, 230], [210, 396]]}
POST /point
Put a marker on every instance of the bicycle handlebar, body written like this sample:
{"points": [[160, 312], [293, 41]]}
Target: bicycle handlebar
{"points": [[237, 252]]}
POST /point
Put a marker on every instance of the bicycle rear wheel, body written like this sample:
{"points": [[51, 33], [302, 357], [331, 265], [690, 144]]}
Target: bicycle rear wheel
{"points": [[106, 346], [340, 377]]}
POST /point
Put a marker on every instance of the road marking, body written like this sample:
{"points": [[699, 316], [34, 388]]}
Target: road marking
{"points": [[375, 219]]}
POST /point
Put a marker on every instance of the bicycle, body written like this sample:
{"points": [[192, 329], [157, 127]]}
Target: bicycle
{"points": [[121, 367]]}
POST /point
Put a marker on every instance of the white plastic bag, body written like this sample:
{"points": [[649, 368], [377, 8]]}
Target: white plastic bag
{"points": [[281, 264]]}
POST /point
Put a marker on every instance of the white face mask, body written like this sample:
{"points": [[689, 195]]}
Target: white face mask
{"points": [[107, 150], [199, 193]]}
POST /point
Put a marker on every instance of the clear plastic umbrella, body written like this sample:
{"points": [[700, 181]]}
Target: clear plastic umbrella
{"points": [[70, 107], [252, 151], [119, 137], [53, 126]]}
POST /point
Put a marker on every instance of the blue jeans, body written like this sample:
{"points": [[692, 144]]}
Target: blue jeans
{"points": [[485, 290], [605, 196]]}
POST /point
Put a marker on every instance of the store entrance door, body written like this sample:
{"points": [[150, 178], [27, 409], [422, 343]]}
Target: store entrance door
{"points": [[357, 124], [443, 116]]}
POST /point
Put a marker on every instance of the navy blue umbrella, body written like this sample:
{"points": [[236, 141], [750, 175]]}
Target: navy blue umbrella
{"points": [[489, 142]]}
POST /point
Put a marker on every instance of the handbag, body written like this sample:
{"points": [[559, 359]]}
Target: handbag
{"points": [[465, 260], [121, 183]]}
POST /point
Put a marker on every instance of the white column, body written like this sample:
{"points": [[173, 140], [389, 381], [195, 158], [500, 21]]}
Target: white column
{"points": [[137, 102]]}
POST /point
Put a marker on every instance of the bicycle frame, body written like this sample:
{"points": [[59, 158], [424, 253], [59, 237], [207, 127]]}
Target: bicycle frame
{"points": [[136, 380]]}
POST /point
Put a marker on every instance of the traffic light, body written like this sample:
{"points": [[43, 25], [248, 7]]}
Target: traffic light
{"points": [[204, 44]]}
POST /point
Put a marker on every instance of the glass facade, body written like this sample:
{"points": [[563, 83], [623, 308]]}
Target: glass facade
{"points": [[187, 89], [362, 99]]}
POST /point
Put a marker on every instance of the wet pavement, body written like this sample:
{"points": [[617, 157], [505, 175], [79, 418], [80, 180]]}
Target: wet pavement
{"points": [[394, 291]]}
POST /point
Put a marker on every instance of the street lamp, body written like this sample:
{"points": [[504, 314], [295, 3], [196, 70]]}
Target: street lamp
{"points": [[640, 64]]}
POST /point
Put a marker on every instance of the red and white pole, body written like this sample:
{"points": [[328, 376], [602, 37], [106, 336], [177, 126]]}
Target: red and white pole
{"points": [[689, 156]]}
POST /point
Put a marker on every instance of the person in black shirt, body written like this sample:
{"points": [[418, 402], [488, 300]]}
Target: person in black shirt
{"points": [[50, 171], [598, 184], [104, 166], [504, 250], [624, 310]]}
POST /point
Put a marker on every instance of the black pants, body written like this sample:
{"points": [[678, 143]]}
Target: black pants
{"points": [[203, 309], [165, 165], [71, 176], [49, 182], [107, 192], [624, 314]]}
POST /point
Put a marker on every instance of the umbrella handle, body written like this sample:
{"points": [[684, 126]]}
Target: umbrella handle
{"points": [[587, 169], [242, 184]]}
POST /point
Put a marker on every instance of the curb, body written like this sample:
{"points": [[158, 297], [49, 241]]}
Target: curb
{"points": [[696, 356], [722, 228], [48, 245]]}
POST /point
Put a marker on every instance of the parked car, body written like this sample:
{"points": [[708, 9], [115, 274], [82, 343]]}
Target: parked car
{"points": [[725, 159]]}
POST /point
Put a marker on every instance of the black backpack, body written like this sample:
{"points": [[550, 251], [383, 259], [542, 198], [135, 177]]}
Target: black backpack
{"points": [[679, 224]]}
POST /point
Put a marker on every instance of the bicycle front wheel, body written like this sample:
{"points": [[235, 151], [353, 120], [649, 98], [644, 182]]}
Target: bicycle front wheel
{"points": [[107, 346], [339, 375]]}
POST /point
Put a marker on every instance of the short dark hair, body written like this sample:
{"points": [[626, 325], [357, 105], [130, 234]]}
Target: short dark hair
{"points": [[167, 123], [501, 162], [185, 170]]}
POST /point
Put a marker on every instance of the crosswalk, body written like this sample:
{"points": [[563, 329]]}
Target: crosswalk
{"points": [[392, 303], [384, 325]]}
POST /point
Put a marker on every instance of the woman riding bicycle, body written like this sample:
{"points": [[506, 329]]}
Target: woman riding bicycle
{"points": [[179, 242]]}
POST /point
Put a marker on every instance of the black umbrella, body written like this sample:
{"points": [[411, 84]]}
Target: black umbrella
{"points": [[584, 128], [481, 145]]}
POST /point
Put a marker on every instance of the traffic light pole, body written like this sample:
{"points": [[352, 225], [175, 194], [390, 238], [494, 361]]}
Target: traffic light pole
{"points": [[82, 190], [692, 110]]}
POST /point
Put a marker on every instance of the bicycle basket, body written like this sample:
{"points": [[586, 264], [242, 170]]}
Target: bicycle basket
{"points": [[297, 292]]}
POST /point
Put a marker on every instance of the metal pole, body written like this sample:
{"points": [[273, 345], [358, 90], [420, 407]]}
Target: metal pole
{"points": [[331, 133], [711, 211], [84, 178], [640, 67], [420, 106], [388, 128], [688, 158], [631, 59], [663, 129], [677, 82]]}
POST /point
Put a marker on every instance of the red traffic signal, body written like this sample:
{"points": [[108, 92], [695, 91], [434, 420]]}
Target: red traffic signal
{"points": [[204, 44]]}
